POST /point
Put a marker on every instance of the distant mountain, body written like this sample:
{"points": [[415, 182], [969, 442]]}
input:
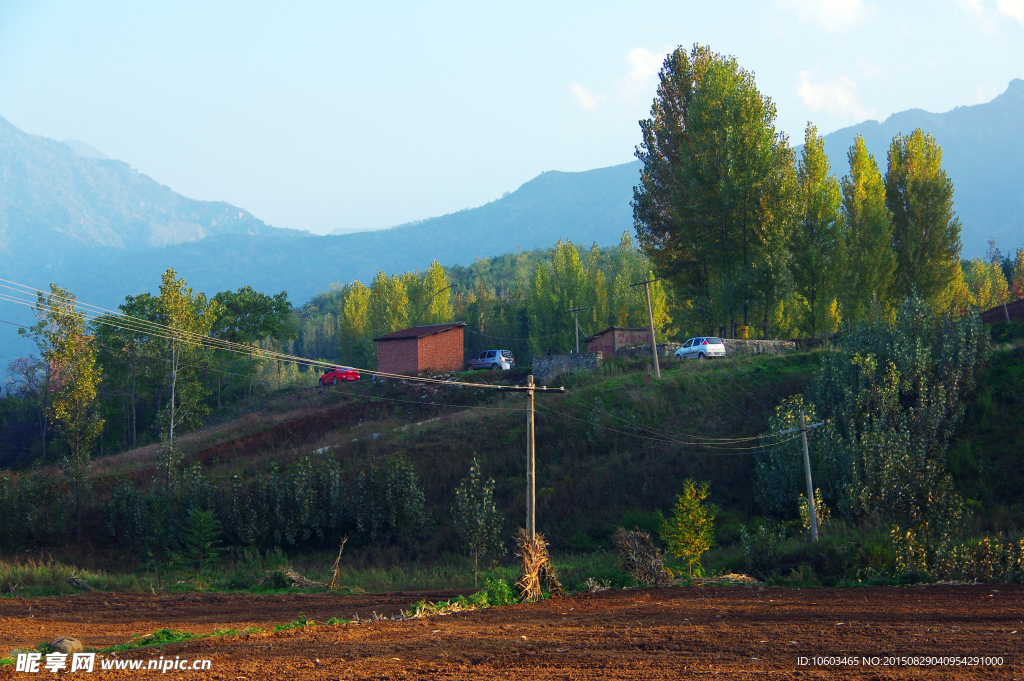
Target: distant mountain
{"points": [[87, 150], [586, 207], [982, 152], [56, 198]]}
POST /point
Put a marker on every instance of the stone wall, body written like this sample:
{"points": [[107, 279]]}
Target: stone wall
{"points": [[665, 351], [739, 346], [548, 367]]}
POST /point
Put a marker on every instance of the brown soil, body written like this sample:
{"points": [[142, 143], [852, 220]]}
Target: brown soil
{"points": [[699, 632]]}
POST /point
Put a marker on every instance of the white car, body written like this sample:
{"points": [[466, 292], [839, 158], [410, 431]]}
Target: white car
{"points": [[493, 359], [701, 347]]}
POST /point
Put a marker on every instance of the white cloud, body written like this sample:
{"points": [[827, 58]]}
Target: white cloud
{"points": [[637, 85], [867, 68], [1012, 8], [833, 15], [833, 97], [983, 11], [643, 68], [586, 99], [984, 94]]}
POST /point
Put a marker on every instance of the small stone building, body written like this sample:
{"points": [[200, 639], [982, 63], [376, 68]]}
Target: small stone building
{"points": [[421, 349], [615, 337]]}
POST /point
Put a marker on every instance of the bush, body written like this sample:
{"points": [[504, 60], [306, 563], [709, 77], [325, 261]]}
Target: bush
{"points": [[499, 592], [761, 550]]}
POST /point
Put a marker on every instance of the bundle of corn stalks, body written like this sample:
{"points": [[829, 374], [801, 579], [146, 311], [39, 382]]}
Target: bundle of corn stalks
{"points": [[537, 567], [336, 568], [640, 557], [298, 580]]}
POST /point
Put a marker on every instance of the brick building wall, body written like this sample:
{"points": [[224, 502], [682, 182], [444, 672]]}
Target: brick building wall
{"points": [[398, 356], [421, 349], [613, 339], [441, 351]]}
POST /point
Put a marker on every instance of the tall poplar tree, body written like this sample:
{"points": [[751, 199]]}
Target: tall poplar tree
{"points": [[714, 194], [868, 264], [925, 228], [815, 243], [188, 317]]}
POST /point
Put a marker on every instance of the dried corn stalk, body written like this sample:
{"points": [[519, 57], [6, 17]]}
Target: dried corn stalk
{"points": [[537, 567], [298, 580], [640, 557], [336, 568]]}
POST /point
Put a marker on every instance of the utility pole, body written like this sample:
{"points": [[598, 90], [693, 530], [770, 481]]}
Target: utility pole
{"points": [[531, 458], [650, 317], [575, 312], [531, 464], [810, 485]]}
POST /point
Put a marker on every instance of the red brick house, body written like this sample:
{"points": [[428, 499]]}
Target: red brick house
{"points": [[615, 337], [421, 349]]}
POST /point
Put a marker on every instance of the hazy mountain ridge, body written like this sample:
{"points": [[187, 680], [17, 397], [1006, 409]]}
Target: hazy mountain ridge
{"points": [[52, 194]]}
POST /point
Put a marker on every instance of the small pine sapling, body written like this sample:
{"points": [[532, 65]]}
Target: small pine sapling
{"points": [[477, 519], [201, 548], [691, 529]]}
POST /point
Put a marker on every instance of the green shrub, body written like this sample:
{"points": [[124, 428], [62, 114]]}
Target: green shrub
{"points": [[500, 592]]}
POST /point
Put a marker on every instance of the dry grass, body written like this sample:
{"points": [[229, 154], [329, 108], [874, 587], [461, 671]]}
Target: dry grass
{"points": [[537, 570], [640, 557]]}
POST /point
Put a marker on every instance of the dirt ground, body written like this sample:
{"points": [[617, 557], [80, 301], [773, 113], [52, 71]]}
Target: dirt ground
{"points": [[696, 632]]}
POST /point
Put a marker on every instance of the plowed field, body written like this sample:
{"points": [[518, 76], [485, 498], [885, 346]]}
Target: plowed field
{"points": [[698, 632]]}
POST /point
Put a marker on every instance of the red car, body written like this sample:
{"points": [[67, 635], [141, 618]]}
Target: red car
{"points": [[339, 374]]}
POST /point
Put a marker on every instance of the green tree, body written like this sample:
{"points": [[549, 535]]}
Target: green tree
{"points": [[925, 229], [246, 316], [200, 548], [816, 246], [889, 415], [477, 519], [715, 192], [75, 377], [188, 319], [436, 304], [354, 333], [388, 308], [691, 529], [869, 263]]}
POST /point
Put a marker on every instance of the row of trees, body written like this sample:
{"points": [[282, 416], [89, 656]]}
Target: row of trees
{"points": [[138, 379], [751, 236], [528, 314]]}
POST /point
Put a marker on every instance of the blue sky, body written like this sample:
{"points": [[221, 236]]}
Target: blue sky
{"points": [[366, 115]]}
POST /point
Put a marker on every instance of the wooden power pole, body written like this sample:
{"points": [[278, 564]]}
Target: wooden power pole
{"points": [[650, 317], [531, 463], [575, 312], [531, 450], [810, 485]]}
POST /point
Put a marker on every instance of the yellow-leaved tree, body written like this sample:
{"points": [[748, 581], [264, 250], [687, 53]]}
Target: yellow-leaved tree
{"points": [[75, 376], [691, 529]]}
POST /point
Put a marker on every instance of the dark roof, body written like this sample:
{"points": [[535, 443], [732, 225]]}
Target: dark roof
{"points": [[996, 314], [420, 331], [613, 328]]}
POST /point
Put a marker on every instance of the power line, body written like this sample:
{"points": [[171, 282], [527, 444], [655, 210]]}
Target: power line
{"points": [[705, 445], [669, 433], [139, 325]]}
